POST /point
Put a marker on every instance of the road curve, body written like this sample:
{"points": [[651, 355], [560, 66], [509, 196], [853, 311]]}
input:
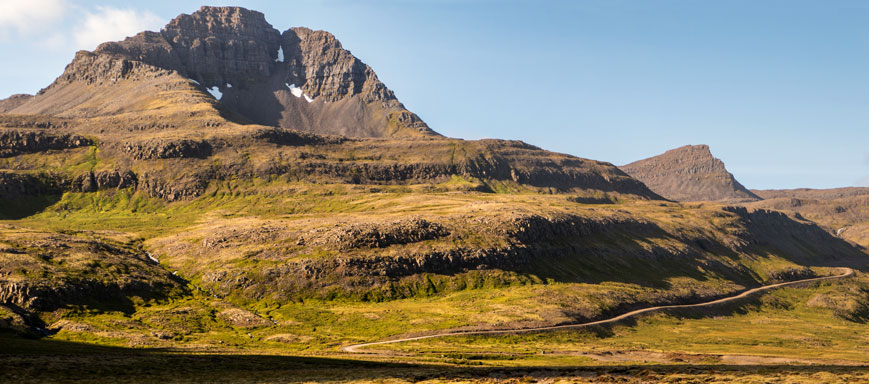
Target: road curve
{"points": [[847, 272]]}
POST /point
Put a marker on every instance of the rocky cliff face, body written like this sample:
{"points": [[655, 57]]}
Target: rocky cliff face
{"points": [[43, 271], [317, 61], [224, 45], [689, 173], [388, 259], [14, 142], [301, 79], [842, 211]]}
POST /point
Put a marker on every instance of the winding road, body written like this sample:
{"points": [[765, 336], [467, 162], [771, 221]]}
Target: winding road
{"points": [[847, 272]]}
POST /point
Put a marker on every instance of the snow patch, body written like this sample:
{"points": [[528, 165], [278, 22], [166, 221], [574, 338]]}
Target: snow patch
{"points": [[195, 82], [297, 92], [154, 259], [228, 85], [280, 58], [214, 91]]}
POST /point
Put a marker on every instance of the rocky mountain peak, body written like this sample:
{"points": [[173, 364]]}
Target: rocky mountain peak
{"points": [[323, 68], [301, 78], [224, 45], [689, 173]]}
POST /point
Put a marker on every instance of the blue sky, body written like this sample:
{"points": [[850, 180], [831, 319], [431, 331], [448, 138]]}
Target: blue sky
{"points": [[778, 89]]}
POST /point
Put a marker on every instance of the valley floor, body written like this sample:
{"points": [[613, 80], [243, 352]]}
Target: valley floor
{"points": [[269, 286], [775, 337], [50, 361]]}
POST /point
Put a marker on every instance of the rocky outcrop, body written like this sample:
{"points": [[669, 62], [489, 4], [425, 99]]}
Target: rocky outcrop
{"points": [[102, 180], [689, 173], [13, 142], [536, 228], [555, 175], [167, 149], [281, 136], [370, 235], [183, 188], [35, 122], [17, 185], [43, 271]]}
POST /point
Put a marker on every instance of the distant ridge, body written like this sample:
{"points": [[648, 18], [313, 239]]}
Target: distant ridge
{"points": [[689, 173]]}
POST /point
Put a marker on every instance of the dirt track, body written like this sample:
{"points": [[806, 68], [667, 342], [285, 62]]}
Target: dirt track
{"points": [[355, 347]]}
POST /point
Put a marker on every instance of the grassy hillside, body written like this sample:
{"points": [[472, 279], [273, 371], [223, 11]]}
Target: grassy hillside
{"points": [[310, 267], [842, 211]]}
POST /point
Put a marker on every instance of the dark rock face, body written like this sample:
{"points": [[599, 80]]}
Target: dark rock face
{"points": [[188, 187], [324, 69], [380, 236], [215, 46], [94, 181], [17, 185], [17, 142], [253, 66], [220, 45], [287, 137], [167, 149], [689, 173]]}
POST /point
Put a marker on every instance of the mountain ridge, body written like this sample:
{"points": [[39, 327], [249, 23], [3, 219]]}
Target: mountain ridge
{"points": [[689, 173], [251, 69]]}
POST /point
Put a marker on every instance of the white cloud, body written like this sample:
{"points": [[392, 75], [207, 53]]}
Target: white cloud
{"points": [[112, 24], [25, 16]]}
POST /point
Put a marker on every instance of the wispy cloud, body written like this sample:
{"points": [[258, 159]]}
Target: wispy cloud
{"points": [[56, 24], [28, 16], [111, 24]]}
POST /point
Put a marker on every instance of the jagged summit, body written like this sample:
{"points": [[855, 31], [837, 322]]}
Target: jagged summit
{"points": [[220, 95], [299, 79], [689, 173]]}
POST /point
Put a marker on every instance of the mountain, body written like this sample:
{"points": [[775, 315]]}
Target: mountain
{"points": [[689, 173], [220, 95], [171, 191], [842, 211], [299, 79]]}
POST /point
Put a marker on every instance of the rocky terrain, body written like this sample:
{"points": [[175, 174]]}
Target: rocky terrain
{"points": [[222, 186], [144, 113], [844, 212], [45, 271], [348, 255], [299, 79], [689, 173]]}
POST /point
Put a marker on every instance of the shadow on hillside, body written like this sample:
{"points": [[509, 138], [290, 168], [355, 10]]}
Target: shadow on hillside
{"points": [[40, 360], [633, 253], [27, 206]]}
